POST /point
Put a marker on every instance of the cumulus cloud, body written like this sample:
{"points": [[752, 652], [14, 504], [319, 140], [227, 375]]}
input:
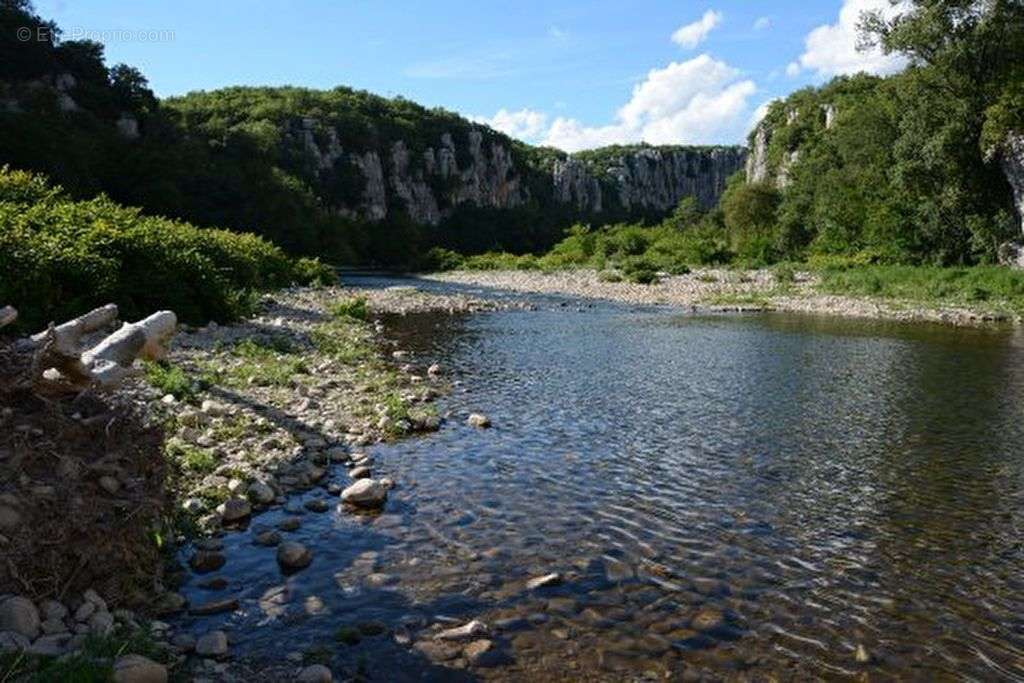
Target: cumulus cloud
{"points": [[525, 124], [694, 101], [691, 35], [831, 49], [762, 23]]}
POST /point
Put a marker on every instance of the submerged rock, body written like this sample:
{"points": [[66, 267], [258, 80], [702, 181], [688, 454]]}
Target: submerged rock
{"points": [[470, 630], [293, 555], [234, 509], [212, 644], [552, 579], [315, 673]]}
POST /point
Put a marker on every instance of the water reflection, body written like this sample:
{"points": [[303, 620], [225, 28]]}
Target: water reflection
{"points": [[724, 495]]}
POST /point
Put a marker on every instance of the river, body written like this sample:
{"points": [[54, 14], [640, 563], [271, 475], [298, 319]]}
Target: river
{"points": [[724, 496]]}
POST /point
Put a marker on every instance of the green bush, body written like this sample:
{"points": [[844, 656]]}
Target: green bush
{"points": [[351, 308], [60, 257]]}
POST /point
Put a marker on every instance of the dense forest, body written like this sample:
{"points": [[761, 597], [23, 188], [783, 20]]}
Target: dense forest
{"points": [[904, 169]]}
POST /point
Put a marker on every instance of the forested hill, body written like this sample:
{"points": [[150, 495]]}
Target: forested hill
{"points": [[926, 166], [344, 174]]}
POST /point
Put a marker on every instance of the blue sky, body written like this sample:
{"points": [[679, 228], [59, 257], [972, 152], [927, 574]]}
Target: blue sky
{"points": [[572, 74]]}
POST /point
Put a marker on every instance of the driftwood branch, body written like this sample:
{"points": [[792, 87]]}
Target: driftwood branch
{"points": [[7, 315], [107, 363]]}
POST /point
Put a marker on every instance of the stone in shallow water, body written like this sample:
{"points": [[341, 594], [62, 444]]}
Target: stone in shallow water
{"points": [[437, 652], [316, 505], [552, 579], [289, 523], [234, 509], [469, 630], [267, 537], [478, 420], [293, 555], [212, 644], [563, 606], [315, 673], [365, 493], [707, 620], [206, 561], [361, 472], [215, 607]]}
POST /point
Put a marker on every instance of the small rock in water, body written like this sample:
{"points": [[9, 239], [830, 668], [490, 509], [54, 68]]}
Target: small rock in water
{"points": [[360, 472], [862, 655], [315, 673], [316, 505], [215, 607], [707, 620], [470, 630], [293, 555], [234, 509], [138, 669], [552, 579], [206, 561], [434, 370], [261, 492], [289, 523], [365, 493], [475, 651], [212, 644], [478, 420]]}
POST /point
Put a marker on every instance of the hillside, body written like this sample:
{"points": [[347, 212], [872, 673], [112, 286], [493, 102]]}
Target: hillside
{"points": [[345, 174]]}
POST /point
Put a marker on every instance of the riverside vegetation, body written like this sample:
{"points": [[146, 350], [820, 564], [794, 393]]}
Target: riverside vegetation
{"points": [[880, 188]]}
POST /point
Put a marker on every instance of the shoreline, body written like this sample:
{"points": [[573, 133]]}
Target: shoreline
{"points": [[718, 290], [255, 413]]}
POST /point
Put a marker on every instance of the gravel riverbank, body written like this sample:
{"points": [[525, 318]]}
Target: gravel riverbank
{"points": [[716, 289]]}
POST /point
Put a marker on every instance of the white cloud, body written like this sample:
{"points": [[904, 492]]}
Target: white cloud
{"points": [[762, 23], [691, 35], [831, 49], [696, 101], [525, 124], [793, 69], [557, 33], [760, 113]]}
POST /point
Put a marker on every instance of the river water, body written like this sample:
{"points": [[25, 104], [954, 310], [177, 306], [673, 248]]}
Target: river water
{"points": [[726, 497]]}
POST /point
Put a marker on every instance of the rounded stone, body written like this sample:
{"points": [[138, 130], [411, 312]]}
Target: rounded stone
{"points": [[234, 509], [361, 472], [212, 644], [293, 555], [315, 673], [365, 493], [19, 615], [138, 669], [478, 420]]}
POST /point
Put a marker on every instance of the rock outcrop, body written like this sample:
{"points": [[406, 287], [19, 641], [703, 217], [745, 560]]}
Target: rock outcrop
{"points": [[483, 170], [1012, 160]]}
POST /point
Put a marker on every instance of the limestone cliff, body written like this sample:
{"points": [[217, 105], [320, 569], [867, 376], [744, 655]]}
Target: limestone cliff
{"points": [[484, 169]]}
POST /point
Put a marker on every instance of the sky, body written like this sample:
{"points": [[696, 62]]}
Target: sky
{"points": [[573, 74]]}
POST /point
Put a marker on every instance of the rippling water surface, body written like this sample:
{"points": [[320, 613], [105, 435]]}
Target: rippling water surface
{"points": [[727, 496]]}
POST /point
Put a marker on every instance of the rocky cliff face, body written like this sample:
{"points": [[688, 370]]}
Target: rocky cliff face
{"points": [[483, 171], [1012, 160], [647, 178]]}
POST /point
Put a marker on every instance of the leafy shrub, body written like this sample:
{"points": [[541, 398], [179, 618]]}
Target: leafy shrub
{"points": [[439, 259], [170, 379], [351, 308], [60, 257]]}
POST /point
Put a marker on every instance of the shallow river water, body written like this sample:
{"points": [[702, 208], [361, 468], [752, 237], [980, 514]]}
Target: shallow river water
{"points": [[727, 497]]}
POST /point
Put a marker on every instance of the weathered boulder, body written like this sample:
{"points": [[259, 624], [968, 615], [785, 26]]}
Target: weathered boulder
{"points": [[212, 644], [366, 493]]}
